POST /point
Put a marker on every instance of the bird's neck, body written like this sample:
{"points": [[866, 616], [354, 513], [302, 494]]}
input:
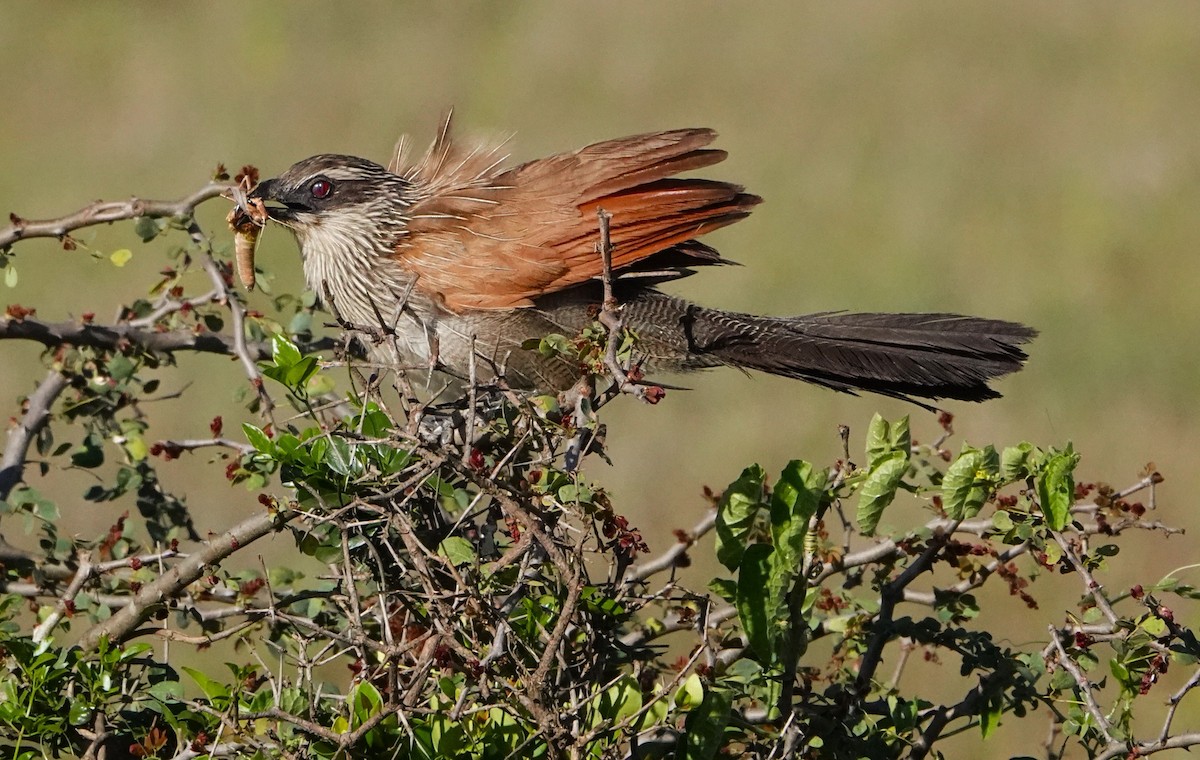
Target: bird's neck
{"points": [[350, 266]]}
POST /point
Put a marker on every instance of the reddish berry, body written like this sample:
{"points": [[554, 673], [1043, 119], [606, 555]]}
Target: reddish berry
{"points": [[476, 460]]}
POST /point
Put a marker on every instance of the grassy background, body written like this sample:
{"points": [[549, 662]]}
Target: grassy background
{"points": [[1030, 161]]}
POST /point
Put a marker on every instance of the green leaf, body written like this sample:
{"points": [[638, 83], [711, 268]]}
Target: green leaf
{"points": [[120, 368], [575, 493], [1017, 462], [795, 500], [736, 511], [120, 257], [365, 701], [212, 689], [704, 728], [10, 276], [1056, 486], [726, 588], [90, 453], [135, 447], [301, 323], [258, 439], [753, 600], [690, 693], [1053, 554], [301, 371], [79, 713], [884, 438], [458, 550], [284, 352], [1153, 625], [1002, 521], [47, 510], [340, 458], [969, 481], [989, 717], [889, 447], [166, 691], [555, 345], [619, 701], [148, 229], [879, 489]]}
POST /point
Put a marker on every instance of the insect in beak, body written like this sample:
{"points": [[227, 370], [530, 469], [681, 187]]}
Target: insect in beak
{"points": [[247, 218]]}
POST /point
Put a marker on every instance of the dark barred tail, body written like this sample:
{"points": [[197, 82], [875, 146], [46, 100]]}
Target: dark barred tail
{"points": [[903, 355]]}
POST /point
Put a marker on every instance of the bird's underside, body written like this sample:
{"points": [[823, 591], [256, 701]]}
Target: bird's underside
{"points": [[456, 252]]}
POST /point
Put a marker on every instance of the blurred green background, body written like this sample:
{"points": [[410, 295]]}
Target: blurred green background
{"points": [[1030, 161]]}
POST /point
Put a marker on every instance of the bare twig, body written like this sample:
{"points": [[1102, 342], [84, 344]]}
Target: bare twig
{"points": [[125, 621], [892, 594], [610, 317], [1085, 686], [667, 559], [123, 336], [43, 630], [104, 212], [37, 411], [1090, 583], [191, 444]]}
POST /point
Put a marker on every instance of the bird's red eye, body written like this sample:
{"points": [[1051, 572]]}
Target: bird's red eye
{"points": [[321, 188]]}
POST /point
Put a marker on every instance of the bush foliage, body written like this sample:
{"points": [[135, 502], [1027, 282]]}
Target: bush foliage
{"points": [[459, 588]]}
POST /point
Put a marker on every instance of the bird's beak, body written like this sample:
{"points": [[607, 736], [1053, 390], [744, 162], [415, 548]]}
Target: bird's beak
{"points": [[285, 208], [265, 190]]}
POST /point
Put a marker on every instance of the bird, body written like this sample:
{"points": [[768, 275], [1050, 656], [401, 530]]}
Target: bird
{"points": [[463, 259]]}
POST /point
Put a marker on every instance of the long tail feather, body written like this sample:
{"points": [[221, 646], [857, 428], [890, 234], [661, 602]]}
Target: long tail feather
{"points": [[930, 356]]}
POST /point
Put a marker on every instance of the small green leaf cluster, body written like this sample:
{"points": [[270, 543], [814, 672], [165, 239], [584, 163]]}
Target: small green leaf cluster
{"points": [[586, 350], [49, 693]]}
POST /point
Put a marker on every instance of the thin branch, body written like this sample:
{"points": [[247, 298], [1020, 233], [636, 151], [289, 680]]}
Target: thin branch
{"points": [[191, 444], [891, 595], [610, 317], [104, 212], [37, 412], [1174, 702], [1085, 686], [123, 336], [43, 630], [1094, 589], [968, 706], [671, 556], [1141, 749], [237, 312], [118, 627]]}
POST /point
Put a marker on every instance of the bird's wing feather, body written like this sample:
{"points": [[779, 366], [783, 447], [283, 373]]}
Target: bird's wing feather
{"points": [[487, 238]]}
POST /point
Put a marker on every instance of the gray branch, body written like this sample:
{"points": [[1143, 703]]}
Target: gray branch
{"points": [[103, 212], [125, 621], [37, 411]]}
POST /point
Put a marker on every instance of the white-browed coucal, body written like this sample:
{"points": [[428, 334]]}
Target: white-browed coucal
{"points": [[455, 250]]}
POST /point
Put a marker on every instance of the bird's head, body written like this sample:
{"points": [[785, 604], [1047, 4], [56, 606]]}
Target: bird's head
{"points": [[336, 195], [348, 215]]}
